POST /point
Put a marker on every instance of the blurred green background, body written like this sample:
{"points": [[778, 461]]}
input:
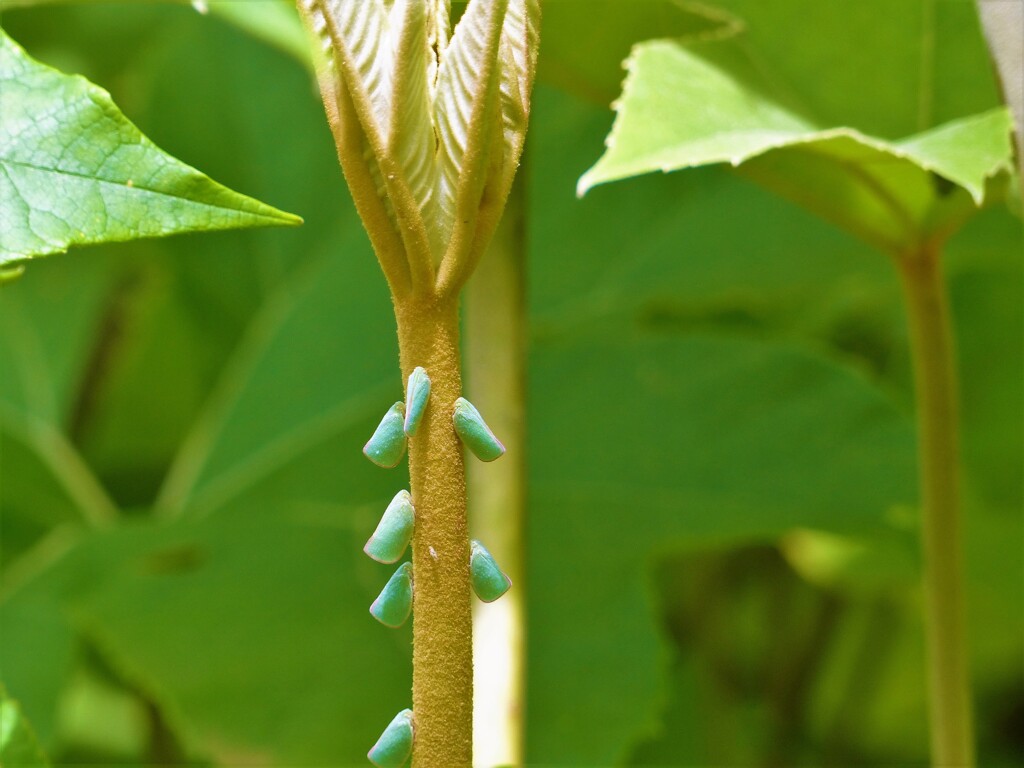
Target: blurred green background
{"points": [[721, 541]]}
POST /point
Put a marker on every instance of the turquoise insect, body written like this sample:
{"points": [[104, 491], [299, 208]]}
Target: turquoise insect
{"points": [[394, 603], [394, 531], [474, 432], [394, 746]]}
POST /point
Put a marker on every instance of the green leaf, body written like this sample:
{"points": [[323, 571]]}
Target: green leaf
{"points": [[699, 441], [685, 264], [184, 303], [273, 21], [51, 318], [218, 621], [289, 594], [289, 501], [50, 322], [87, 175], [882, 191], [987, 294], [927, 63], [631, 326], [37, 644], [266, 606], [586, 43], [18, 745], [48, 480], [257, 438], [301, 564]]}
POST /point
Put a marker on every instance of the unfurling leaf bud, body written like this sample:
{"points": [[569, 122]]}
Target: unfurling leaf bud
{"points": [[429, 126]]}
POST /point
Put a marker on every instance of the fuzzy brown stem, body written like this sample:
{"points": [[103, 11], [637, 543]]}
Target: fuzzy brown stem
{"points": [[442, 688], [931, 342]]}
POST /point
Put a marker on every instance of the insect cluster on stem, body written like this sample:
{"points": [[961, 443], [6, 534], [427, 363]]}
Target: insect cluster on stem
{"points": [[394, 532]]}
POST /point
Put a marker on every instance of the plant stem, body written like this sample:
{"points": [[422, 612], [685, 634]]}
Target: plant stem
{"points": [[935, 383], [496, 368], [442, 687]]}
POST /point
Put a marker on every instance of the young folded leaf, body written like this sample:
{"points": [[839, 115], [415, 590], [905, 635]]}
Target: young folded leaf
{"points": [[519, 43], [465, 108], [425, 123]]}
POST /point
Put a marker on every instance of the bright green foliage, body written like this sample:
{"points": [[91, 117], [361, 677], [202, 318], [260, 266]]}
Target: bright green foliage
{"points": [[690, 104], [252, 604], [18, 745], [246, 369], [76, 171], [717, 98], [273, 21], [441, 117]]}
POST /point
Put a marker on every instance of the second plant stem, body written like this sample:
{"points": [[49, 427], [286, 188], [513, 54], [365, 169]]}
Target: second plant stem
{"points": [[442, 689], [931, 342], [495, 365]]}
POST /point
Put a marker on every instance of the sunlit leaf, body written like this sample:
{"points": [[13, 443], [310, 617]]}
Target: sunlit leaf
{"points": [[880, 190], [76, 171], [18, 746], [272, 21]]}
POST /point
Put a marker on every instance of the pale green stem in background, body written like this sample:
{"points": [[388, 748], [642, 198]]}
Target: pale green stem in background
{"points": [[931, 344], [495, 344]]}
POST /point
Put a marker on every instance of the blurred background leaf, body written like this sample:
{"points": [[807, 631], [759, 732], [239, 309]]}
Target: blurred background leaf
{"points": [[18, 746]]}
